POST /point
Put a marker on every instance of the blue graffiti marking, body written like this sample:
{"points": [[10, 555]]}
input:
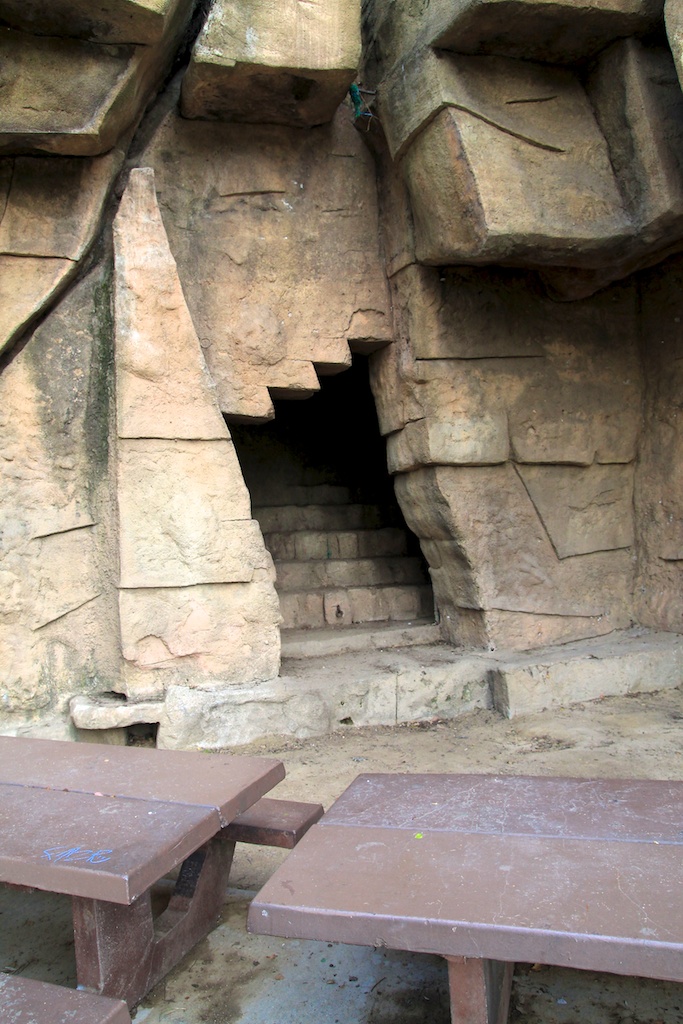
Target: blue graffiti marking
{"points": [[70, 854]]}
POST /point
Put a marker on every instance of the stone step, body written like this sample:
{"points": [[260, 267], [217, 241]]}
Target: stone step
{"points": [[292, 518], [349, 572], [307, 545], [331, 640], [313, 609]]}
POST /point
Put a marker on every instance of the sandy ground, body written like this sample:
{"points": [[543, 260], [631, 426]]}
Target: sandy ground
{"points": [[234, 978]]}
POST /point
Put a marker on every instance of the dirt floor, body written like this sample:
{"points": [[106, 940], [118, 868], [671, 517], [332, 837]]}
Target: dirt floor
{"points": [[234, 978]]}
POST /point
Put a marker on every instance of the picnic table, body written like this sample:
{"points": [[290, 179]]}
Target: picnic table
{"points": [[103, 824], [489, 870]]}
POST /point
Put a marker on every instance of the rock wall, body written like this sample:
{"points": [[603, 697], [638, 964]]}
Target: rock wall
{"points": [[197, 218]]}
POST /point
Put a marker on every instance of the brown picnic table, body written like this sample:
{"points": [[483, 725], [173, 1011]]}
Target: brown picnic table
{"points": [[488, 870], [103, 824]]}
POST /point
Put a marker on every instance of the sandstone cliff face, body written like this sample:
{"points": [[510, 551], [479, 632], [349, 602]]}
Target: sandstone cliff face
{"points": [[494, 221]]}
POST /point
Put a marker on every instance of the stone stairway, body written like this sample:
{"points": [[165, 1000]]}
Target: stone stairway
{"points": [[341, 564]]}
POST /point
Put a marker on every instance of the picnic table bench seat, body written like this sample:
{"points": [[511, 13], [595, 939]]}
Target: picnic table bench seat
{"points": [[105, 824], [25, 1001], [486, 871], [274, 822]]}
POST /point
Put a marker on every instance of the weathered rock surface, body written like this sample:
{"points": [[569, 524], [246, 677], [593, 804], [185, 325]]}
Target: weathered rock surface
{"points": [[593, 181], [502, 422], [50, 212], [558, 33], [197, 582], [57, 606], [107, 712], [389, 688], [273, 61], [639, 106], [74, 97], [164, 389], [583, 509], [275, 235], [659, 478], [185, 515], [383, 688], [466, 124], [559, 402], [673, 17], [498, 559], [634, 662], [102, 21], [203, 635]]}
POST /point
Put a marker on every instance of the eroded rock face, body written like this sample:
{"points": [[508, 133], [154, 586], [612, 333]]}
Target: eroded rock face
{"points": [[273, 61], [50, 213], [102, 21], [673, 17], [659, 480], [511, 158], [77, 97], [57, 604], [275, 234], [560, 32], [525, 513], [531, 151], [197, 584], [515, 162]]}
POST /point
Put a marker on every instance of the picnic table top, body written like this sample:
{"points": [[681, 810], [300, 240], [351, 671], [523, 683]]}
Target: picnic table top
{"points": [[583, 873], [106, 822]]}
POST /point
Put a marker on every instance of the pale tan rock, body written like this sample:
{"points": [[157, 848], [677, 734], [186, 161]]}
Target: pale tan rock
{"points": [[458, 440], [27, 285], [567, 404], [499, 560], [640, 110], [199, 581], [461, 130], [103, 21], [588, 671], [581, 404], [526, 631], [558, 32], [273, 61], [225, 632], [467, 313], [673, 18], [49, 218], [274, 232], [659, 473], [106, 713], [66, 574], [184, 515], [583, 509], [639, 107], [392, 373], [58, 626], [54, 207], [74, 97], [164, 389], [212, 719]]}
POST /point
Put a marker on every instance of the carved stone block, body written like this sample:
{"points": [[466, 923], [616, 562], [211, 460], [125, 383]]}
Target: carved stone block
{"points": [[273, 61]]}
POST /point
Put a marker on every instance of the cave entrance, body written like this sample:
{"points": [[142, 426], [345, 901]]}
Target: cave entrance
{"points": [[325, 502]]}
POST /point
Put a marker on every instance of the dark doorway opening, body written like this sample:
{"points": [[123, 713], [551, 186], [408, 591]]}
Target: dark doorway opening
{"points": [[321, 491]]}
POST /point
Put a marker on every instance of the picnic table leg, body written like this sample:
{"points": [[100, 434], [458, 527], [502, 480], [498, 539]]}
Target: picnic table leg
{"points": [[123, 951], [479, 989]]}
